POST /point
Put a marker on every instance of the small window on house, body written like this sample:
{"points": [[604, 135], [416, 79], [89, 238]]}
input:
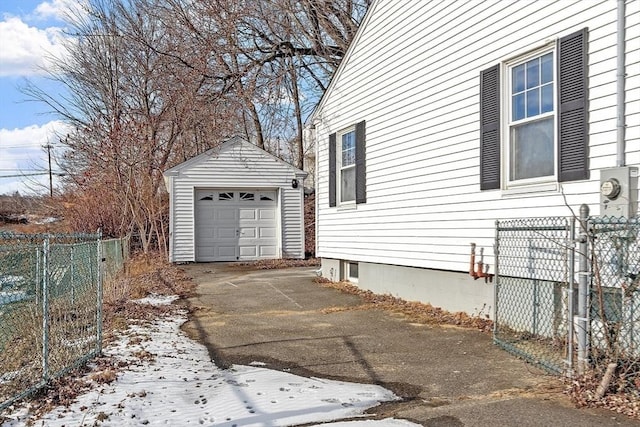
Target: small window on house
{"points": [[207, 198], [352, 271], [267, 198], [247, 196], [225, 196]]}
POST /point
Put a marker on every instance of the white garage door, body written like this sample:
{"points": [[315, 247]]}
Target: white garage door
{"points": [[235, 225]]}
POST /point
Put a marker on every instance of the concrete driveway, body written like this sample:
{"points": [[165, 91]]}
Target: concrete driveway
{"points": [[447, 376]]}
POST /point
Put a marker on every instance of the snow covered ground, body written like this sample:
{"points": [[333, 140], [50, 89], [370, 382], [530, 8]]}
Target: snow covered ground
{"points": [[172, 382]]}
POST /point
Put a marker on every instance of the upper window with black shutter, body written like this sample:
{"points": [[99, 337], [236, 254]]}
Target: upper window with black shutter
{"points": [[540, 133], [347, 166]]}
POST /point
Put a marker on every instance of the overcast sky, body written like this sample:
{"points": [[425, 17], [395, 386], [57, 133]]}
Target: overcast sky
{"points": [[30, 32]]}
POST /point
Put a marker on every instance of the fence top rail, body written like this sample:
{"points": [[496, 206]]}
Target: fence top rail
{"points": [[534, 224], [21, 238], [614, 220]]}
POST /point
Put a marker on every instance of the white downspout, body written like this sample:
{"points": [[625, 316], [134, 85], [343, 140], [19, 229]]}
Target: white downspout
{"points": [[620, 85], [312, 134]]}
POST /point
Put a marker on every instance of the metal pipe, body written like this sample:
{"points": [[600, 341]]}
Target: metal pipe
{"points": [[472, 262], [620, 85], [570, 294], [583, 290]]}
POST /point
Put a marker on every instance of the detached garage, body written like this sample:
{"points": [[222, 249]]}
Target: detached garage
{"points": [[235, 203]]}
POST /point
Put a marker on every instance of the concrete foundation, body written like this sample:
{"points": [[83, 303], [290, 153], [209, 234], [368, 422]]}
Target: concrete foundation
{"points": [[449, 290]]}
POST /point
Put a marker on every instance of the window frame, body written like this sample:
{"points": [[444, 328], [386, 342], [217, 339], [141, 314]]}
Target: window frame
{"points": [[340, 167], [508, 123], [348, 272]]}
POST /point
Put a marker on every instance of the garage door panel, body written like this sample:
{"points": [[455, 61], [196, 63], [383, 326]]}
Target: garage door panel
{"points": [[226, 251], [267, 232], [225, 214], [248, 251], [268, 251], [225, 232], [248, 232], [247, 214], [265, 214]]}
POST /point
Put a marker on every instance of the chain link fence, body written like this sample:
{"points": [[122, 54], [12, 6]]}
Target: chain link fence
{"points": [[50, 306], [614, 298], [532, 295], [567, 292]]}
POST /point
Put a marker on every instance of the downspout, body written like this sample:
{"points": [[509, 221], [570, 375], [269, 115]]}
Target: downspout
{"points": [[312, 134], [620, 85]]}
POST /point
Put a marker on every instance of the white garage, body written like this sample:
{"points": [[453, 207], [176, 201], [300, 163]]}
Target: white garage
{"points": [[235, 203]]}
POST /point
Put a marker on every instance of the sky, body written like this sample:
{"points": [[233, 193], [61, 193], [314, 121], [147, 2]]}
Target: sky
{"points": [[177, 384], [30, 33]]}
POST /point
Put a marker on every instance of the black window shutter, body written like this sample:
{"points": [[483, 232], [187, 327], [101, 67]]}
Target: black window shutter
{"points": [[573, 146], [332, 169], [490, 128], [361, 166]]}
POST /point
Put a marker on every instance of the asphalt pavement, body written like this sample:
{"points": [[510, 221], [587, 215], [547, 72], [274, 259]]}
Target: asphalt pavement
{"points": [[446, 376]]}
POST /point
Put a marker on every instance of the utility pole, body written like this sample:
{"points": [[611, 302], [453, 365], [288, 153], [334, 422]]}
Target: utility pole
{"points": [[49, 147]]}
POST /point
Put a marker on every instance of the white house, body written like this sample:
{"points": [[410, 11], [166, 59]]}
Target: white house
{"points": [[446, 116], [235, 202]]}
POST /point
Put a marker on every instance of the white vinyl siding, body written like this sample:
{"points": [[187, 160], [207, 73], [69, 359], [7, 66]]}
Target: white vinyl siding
{"points": [[413, 75], [235, 165]]}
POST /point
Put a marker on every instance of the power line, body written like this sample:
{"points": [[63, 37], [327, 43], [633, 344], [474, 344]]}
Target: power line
{"points": [[32, 174]]}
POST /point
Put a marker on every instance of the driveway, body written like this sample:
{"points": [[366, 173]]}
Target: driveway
{"points": [[447, 376]]}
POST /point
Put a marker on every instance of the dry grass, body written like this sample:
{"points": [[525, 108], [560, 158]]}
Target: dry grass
{"points": [[273, 264], [416, 312]]}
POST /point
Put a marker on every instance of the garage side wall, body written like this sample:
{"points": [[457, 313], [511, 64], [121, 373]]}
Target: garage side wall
{"points": [[239, 165]]}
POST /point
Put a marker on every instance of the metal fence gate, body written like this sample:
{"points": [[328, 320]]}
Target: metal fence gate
{"points": [[532, 293], [567, 291]]}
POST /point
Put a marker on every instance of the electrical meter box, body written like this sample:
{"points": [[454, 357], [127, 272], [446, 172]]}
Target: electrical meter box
{"points": [[619, 191]]}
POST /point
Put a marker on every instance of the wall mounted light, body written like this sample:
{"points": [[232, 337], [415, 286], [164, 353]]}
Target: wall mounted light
{"points": [[294, 183]]}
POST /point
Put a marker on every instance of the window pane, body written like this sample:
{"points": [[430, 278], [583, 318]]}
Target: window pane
{"points": [[348, 184], [547, 98], [348, 148], [518, 79], [518, 106], [546, 63], [533, 73], [533, 102], [247, 196], [353, 270], [532, 151]]}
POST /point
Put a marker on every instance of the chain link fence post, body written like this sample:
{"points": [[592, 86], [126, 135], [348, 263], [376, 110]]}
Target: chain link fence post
{"points": [[583, 291], [99, 301], [45, 308], [571, 296]]}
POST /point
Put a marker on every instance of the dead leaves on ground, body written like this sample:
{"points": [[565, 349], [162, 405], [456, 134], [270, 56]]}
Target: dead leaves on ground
{"points": [[414, 311]]}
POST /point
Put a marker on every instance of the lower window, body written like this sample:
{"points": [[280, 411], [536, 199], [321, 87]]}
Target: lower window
{"points": [[352, 271]]}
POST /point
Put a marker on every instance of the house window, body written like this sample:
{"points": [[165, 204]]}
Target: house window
{"points": [[247, 197], [223, 197], [351, 270], [347, 166], [541, 135], [531, 125]]}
